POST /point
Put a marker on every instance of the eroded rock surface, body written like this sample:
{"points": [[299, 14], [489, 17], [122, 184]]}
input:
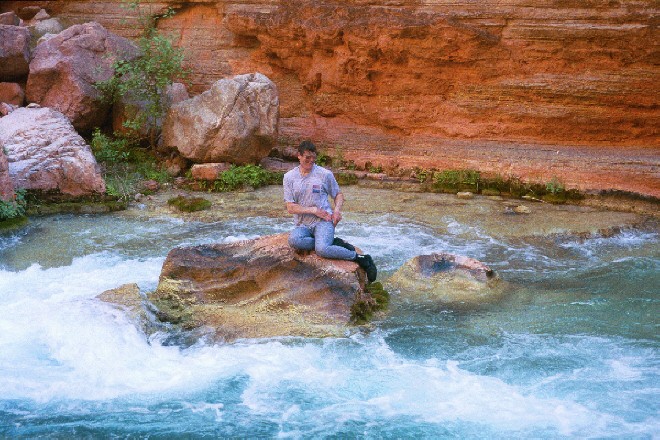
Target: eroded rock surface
{"points": [[14, 51], [45, 153], [65, 68], [258, 288], [447, 279], [12, 93], [235, 121]]}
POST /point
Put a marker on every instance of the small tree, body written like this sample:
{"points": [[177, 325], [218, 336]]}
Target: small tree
{"points": [[146, 77]]}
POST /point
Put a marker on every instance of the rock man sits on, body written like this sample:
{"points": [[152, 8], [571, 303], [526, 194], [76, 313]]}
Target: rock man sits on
{"points": [[306, 191]]}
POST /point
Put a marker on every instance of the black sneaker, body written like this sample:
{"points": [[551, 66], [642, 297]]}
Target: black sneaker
{"points": [[346, 245], [367, 263]]}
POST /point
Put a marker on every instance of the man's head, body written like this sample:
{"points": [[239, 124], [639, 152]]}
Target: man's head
{"points": [[306, 155], [306, 146]]}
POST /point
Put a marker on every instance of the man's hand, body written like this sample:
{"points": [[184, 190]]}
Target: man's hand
{"points": [[322, 214], [336, 217]]}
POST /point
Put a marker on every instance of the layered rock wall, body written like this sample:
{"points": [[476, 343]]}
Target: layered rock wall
{"points": [[534, 88]]}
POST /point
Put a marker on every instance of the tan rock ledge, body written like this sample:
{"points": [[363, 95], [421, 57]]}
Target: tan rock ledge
{"points": [[259, 288]]}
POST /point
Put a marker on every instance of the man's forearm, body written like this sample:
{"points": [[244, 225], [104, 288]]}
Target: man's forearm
{"points": [[339, 202], [294, 208]]}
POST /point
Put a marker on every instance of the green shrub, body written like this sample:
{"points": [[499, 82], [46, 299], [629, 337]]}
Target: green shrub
{"points": [[15, 208], [323, 159], [124, 179], [456, 180], [346, 179], [145, 78], [237, 177], [110, 149], [555, 186]]}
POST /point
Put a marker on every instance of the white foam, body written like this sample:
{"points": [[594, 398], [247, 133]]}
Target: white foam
{"points": [[379, 385]]}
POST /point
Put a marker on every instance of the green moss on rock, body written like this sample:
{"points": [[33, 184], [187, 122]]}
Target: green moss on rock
{"points": [[376, 298], [189, 204]]}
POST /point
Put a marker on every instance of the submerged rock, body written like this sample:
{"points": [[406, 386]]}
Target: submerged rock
{"points": [[260, 288], [447, 279], [127, 297]]}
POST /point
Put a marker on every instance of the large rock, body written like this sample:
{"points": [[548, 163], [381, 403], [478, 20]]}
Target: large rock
{"points": [[10, 18], [12, 93], [449, 279], [259, 288], [14, 52], [234, 121], [47, 26], [45, 153], [65, 68], [6, 185]]}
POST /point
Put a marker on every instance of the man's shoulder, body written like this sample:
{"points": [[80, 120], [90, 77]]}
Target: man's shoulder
{"points": [[292, 173], [318, 169]]}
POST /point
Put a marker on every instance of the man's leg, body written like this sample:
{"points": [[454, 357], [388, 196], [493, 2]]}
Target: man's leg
{"points": [[301, 238], [324, 234]]}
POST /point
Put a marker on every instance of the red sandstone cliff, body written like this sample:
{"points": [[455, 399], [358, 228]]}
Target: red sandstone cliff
{"points": [[534, 88]]}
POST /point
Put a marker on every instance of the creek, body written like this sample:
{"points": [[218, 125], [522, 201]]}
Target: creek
{"points": [[571, 351]]}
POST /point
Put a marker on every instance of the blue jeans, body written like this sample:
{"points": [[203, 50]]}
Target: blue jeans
{"points": [[319, 238]]}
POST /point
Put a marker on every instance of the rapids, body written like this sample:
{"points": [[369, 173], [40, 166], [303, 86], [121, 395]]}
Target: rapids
{"points": [[572, 351]]}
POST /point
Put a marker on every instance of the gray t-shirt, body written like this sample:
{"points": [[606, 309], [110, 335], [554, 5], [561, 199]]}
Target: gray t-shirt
{"points": [[310, 190]]}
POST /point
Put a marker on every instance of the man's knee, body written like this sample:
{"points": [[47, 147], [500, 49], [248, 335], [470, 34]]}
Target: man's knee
{"points": [[300, 240], [295, 241], [322, 251]]}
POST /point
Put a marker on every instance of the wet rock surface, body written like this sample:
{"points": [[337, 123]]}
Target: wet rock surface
{"points": [[128, 298], [258, 288], [447, 279]]}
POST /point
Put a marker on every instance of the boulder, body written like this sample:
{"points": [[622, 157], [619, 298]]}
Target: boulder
{"points": [[12, 93], [14, 52], [6, 185], [41, 16], [235, 121], [277, 165], [65, 68], [128, 299], [10, 19], [48, 26], [259, 288], [208, 171], [447, 279], [6, 108], [45, 153]]}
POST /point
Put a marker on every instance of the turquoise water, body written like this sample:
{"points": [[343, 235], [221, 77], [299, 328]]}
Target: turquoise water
{"points": [[571, 352]]}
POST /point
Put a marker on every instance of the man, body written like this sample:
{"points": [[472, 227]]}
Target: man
{"points": [[306, 191]]}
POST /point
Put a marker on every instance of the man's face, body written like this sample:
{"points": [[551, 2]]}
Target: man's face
{"points": [[307, 160]]}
